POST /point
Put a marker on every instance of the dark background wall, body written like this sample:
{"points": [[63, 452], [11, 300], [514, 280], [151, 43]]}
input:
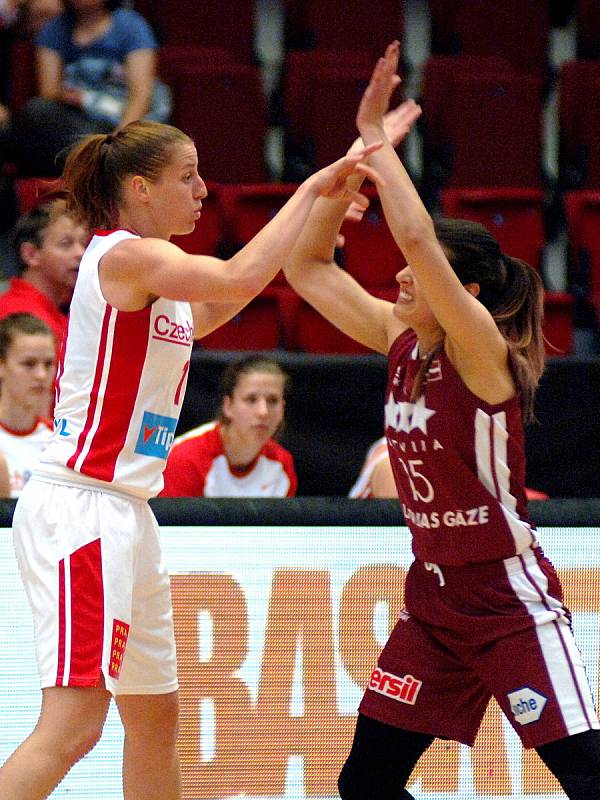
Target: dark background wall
{"points": [[335, 410]]}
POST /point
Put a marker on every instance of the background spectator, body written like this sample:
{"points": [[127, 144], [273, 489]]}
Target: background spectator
{"points": [[96, 69], [236, 455], [49, 244], [27, 365]]}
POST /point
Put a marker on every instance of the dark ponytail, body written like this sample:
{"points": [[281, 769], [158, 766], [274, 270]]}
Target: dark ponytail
{"points": [[510, 289], [518, 313]]}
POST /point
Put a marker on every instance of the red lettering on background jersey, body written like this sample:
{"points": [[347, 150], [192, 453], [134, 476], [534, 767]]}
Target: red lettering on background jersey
{"points": [[120, 632]]}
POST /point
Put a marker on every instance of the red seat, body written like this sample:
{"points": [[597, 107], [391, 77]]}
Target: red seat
{"points": [[579, 95], [314, 334], [210, 23], [255, 327], [222, 107], [172, 58], [515, 217], [558, 323], [301, 63], [438, 74], [327, 117], [489, 132], [370, 253], [32, 192], [208, 233], [360, 25], [583, 223], [588, 28], [518, 30], [247, 208]]}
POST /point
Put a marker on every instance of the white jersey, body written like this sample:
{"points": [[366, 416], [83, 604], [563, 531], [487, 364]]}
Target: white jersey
{"points": [[22, 450], [375, 455], [120, 384]]}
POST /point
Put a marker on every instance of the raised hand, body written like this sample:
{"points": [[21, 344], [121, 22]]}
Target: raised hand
{"points": [[335, 181], [396, 124], [376, 98]]}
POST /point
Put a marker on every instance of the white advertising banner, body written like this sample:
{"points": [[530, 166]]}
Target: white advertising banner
{"points": [[277, 631]]}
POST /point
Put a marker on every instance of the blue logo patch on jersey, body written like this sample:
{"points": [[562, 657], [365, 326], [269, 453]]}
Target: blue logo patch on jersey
{"points": [[60, 426], [156, 435]]}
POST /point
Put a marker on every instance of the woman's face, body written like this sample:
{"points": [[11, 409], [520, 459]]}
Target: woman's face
{"points": [[411, 306], [256, 408], [176, 196], [27, 372]]}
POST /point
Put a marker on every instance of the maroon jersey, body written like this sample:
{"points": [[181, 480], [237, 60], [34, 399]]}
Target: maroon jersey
{"points": [[458, 462]]}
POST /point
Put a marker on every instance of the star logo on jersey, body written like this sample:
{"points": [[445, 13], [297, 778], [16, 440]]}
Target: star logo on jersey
{"points": [[407, 417]]}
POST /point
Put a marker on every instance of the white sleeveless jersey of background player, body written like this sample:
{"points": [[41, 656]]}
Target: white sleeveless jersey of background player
{"points": [[376, 453], [22, 450], [120, 385]]}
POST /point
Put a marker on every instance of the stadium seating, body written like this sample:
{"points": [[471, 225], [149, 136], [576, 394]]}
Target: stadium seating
{"points": [[31, 192], [518, 30], [370, 253], [312, 333], [558, 324], [361, 24], [255, 327], [588, 28], [222, 107], [209, 23], [488, 132], [583, 223], [514, 216], [579, 97]]}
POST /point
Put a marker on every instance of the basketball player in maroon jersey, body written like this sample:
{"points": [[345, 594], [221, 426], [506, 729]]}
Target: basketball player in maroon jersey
{"points": [[484, 614]]}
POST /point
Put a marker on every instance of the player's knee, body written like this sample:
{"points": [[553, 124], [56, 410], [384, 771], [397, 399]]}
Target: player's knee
{"points": [[72, 748]]}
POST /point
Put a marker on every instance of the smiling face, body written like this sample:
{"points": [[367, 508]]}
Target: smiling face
{"points": [[27, 371], [175, 197], [255, 409]]}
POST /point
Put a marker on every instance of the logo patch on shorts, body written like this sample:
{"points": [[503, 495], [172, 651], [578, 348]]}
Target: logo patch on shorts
{"points": [[405, 689], [156, 435], [120, 632], [526, 705]]}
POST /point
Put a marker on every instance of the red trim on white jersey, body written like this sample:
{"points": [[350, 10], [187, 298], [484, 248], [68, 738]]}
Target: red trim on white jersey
{"points": [[91, 411], [81, 617], [128, 347]]}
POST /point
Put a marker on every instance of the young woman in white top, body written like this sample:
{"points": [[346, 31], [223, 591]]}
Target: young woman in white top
{"points": [[27, 369]]}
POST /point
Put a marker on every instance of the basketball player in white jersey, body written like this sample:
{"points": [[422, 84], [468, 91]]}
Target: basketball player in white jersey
{"points": [[484, 613], [86, 540]]}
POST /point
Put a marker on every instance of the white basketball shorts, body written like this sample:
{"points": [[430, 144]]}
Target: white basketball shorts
{"points": [[100, 595]]}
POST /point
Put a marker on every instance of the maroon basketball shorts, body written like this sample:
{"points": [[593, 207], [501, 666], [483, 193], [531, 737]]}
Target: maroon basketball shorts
{"points": [[469, 633]]}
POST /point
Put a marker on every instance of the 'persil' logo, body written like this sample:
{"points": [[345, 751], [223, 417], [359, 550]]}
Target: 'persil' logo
{"points": [[169, 330], [405, 689], [156, 435], [526, 705]]}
